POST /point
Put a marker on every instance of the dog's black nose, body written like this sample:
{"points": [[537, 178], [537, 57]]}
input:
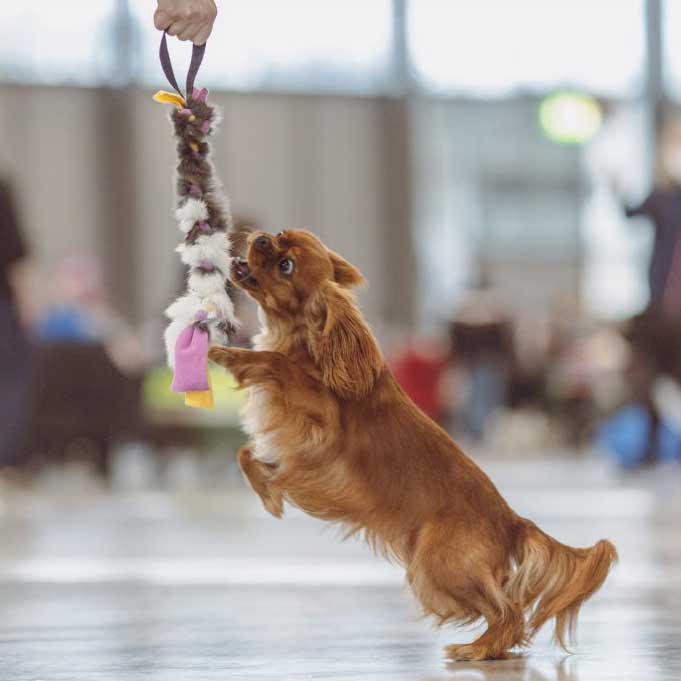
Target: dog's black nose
{"points": [[262, 243]]}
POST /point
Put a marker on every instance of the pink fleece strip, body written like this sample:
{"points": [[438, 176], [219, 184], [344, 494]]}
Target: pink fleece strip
{"points": [[191, 360], [199, 95]]}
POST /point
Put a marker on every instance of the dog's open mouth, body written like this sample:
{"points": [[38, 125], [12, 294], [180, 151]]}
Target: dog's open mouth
{"points": [[241, 273]]}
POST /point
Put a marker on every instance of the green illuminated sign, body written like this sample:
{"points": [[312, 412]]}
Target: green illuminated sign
{"points": [[570, 117]]}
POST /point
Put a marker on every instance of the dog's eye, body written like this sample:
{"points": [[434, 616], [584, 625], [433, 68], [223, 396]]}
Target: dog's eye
{"points": [[286, 266]]}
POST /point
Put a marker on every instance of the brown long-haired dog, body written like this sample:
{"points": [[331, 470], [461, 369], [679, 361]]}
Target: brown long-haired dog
{"points": [[334, 434]]}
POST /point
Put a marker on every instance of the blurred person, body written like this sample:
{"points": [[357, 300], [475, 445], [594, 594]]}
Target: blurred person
{"points": [[482, 338], [15, 354], [583, 379], [655, 335], [85, 393], [186, 19], [663, 208], [567, 371], [79, 311], [655, 360]]}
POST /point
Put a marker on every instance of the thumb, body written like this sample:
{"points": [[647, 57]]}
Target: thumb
{"points": [[161, 19]]}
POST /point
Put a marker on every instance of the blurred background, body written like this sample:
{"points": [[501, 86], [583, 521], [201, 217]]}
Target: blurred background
{"points": [[507, 175]]}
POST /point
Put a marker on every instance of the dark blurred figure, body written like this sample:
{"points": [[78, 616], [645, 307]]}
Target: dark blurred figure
{"points": [[663, 208], [15, 354], [81, 405], [655, 335], [482, 341], [655, 338]]}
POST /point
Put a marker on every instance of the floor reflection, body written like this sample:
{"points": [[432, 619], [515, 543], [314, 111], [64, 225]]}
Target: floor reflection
{"points": [[520, 667], [196, 585]]}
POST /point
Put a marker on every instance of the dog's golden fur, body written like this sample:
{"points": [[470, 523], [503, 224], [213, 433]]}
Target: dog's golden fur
{"points": [[334, 434]]}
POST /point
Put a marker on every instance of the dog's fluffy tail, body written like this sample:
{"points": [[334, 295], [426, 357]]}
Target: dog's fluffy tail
{"points": [[553, 580]]}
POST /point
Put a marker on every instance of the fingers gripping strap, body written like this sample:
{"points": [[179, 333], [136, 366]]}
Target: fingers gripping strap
{"points": [[197, 57]]}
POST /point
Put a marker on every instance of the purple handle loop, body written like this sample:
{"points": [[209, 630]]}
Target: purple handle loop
{"points": [[197, 57]]}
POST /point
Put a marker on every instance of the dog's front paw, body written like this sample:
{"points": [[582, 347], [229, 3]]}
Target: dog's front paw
{"points": [[227, 357], [222, 356], [239, 362]]}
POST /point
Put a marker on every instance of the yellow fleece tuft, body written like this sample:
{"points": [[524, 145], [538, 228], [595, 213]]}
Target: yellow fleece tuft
{"points": [[169, 98]]}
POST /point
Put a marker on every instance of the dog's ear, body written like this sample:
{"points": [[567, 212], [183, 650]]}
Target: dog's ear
{"points": [[342, 344], [345, 274]]}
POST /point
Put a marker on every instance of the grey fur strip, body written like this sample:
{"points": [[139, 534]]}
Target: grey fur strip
{"points": [[196, 180]]}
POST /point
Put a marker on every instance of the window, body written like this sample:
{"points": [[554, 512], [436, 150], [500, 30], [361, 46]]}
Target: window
{"points": [[59, 46], [303, 45], [671, 24], [616, 251], [491, 48]]}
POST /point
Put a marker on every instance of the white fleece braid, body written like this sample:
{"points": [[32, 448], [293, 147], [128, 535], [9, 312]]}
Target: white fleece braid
{"points": [[204, 218]]}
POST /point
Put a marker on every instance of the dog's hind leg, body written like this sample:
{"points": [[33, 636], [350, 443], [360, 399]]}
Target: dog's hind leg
{"points": [[258, 475], [460, 580], [505, 630]]}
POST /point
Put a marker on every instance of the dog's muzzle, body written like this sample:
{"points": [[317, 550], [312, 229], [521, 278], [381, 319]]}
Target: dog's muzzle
{"points": [[240, 269]]}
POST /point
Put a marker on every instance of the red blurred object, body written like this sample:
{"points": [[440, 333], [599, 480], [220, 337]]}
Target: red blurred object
{"points": [[420, 369]]}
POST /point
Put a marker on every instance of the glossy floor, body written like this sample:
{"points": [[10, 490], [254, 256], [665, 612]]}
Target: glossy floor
{"points": [[185, 586]]}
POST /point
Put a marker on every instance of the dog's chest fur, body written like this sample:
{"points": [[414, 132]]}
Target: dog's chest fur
{"points": [[255, 422], [279, 425], [257, 410]]}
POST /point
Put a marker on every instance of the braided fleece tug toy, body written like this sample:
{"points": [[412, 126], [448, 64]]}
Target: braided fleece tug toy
{"points": [[204, 315]]}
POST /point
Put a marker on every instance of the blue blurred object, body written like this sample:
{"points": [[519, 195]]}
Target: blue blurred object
{"points": [[625, 437], [64, 323]]}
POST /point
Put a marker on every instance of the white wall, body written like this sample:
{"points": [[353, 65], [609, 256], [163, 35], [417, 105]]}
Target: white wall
{"points": [[49, 150]]}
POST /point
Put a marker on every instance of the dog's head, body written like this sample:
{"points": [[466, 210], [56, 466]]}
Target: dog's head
{"points": [[285, 271], [301, 284]]}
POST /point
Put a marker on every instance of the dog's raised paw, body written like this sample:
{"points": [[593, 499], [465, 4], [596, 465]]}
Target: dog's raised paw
{"points": [[220, 355]]}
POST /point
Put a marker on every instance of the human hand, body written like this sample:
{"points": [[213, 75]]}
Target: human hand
{"points": [[187, 19]]}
